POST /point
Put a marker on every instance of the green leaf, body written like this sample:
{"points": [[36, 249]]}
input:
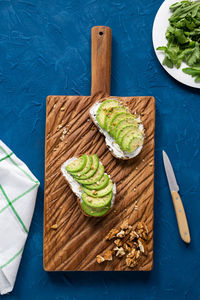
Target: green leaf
{"points": [[192, 56], [183, 36], [168, 62], [192, 71], [161, 48]]}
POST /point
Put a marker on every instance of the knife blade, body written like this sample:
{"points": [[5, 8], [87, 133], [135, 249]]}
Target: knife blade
{"points": [[178, 205], [170, 173]]}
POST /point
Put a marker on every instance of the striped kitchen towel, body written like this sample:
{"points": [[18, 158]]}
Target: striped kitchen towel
{"points": [[18, 191]]}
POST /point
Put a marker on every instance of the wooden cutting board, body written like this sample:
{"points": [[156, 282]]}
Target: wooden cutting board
{"points": [[77, 240]]}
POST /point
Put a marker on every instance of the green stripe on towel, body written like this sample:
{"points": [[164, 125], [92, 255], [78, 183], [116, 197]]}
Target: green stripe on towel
{"points": [[18, 197], [12, 258], [9, 155], [13, 209]]}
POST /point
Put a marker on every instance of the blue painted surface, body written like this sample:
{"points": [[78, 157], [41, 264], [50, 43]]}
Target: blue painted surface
{"points": [[45, 49]]}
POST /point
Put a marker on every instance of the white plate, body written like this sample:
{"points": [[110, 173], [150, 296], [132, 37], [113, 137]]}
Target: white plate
{"points": [[159, 28]]}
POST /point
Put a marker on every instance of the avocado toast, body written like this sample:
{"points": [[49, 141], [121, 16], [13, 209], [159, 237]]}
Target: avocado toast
{"points": [[94, 188], [123, 131]]}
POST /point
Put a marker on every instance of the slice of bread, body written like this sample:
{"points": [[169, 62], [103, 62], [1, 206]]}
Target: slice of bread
{"points": [[113, 147], [77, 188]]}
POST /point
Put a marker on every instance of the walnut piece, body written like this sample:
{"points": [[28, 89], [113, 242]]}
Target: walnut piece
{"points": [[126, 247], [142, 230], [119, 251], [108, 255], [133, 235], [112, 233], [124, 225], [142, 246], [54, 226], [118, 242], [133, 258], [120, 234], [99, 259], [128, 230]]}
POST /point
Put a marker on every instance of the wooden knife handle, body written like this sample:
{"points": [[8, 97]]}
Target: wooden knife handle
{"points": [[181, 217], [101, 39]]}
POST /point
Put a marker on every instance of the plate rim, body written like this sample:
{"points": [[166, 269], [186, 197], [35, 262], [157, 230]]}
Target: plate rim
{"points": [[174, 72]]}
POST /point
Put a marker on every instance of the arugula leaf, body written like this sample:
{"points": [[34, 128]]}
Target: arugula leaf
{"points": [[194, 72], [183, 37]]}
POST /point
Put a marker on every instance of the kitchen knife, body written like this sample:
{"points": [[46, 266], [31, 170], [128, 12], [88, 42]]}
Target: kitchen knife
{"points": [[178, 205]]}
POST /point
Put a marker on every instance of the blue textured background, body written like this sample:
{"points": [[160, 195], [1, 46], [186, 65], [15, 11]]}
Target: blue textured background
{"points": [[45, 49]]}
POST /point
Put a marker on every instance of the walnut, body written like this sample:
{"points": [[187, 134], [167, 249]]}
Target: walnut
{"points": [[120, 234], [112, 233], [124, 225], [133, 235], [129, 262], [133, 258], [54, 226], [119, 251], [131, 244], [140, 225], [118, 242], [99, 259], [142, 246], [142, 230], [132, 253], [128, 230], [126, 247], [108, 255]]}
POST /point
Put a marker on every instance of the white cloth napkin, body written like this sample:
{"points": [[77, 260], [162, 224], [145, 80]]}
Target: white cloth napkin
{"points": [[18, 191]]}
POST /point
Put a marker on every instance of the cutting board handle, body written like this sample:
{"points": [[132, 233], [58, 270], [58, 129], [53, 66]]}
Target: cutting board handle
{"points": [[101, 39]]}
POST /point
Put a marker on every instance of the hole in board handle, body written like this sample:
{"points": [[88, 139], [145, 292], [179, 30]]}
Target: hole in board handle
{"points": [[100, 33]]}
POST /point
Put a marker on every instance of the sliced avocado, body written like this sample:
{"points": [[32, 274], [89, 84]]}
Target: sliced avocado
{"points": [[111, 113], [86, 168], [134, 143], [102, 183], [100, 202], [128, 120], [127, 138], [103, 108], [114, 120], [95, 212], [93, 179], [118, 118], [124, 130], [100, 193], [93, 169], [77, 164]]}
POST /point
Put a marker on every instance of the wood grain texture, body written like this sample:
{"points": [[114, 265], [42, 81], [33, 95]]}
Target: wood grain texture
{"points": [[101, 39], [78, 239]]}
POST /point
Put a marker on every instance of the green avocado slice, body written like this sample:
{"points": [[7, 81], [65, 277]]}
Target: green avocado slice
{"points": [[95, 212], [117, 118], [86, 168], [102, 183], [112, 112], [124, 130], [77, 164], [93, 179], [100, 202], [129, 120], [127, 138], [93, 169], [134, 143], [100, 193], [103, 108]]}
